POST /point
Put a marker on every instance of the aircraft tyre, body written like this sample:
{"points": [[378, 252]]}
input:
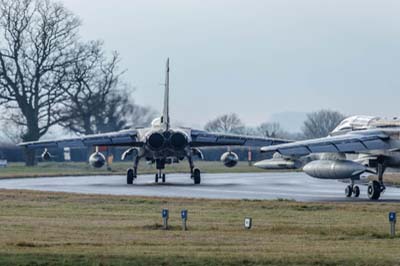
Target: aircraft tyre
{"points": [[356, 191], [130, 176], [156, 179], [197, 176], [163, 178], [374, 190], [348, 191]]}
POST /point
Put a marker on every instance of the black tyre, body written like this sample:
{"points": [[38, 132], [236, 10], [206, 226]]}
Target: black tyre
{"points": [[374, 190], [356, 191], [163, 178], [348, 191], [156, 179], [197, 176], [129, 177]]}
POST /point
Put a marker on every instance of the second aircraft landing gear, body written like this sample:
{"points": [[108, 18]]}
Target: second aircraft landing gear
{"points": [[352, 190], [375, 188]]}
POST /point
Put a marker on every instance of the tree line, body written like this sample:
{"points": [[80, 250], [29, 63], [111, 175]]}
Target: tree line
{"points": [[317, 125], [49, 76]]}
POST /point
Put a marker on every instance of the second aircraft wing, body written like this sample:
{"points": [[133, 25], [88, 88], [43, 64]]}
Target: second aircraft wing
{"points": [[353, 142]]}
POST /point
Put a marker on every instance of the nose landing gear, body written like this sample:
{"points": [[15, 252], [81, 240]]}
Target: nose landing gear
{"points": [[161, 176]]}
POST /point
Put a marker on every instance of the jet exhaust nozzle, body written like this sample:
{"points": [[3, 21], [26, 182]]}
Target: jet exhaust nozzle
{"points": [[178, 141], [335, 169], [156, 141]]}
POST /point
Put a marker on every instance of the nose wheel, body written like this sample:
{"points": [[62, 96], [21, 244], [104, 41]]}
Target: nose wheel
{"points": [[160, 176]]}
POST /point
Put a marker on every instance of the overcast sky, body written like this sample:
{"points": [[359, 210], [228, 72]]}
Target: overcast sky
{"points": [[263, 57]]}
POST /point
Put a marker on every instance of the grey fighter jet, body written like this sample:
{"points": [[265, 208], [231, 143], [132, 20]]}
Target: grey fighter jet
{"points": [[358, 145], [160, 144]]}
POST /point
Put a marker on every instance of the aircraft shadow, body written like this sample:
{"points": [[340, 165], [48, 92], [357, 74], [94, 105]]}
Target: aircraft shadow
{"points": [[167, 184]]}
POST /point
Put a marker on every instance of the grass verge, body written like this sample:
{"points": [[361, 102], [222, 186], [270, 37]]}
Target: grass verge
{"points": [[40, 228]]}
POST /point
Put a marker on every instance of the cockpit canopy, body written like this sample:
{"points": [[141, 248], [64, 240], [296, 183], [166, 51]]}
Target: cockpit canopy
{"points": [[360, 122]]}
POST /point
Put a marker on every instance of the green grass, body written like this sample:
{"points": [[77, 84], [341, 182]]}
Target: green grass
{"points": [[38, 228], [49, 169]]}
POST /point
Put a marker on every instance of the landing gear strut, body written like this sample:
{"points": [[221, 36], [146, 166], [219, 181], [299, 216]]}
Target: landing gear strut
{"points": [[375, 188], [195, 173], [131, 174]]}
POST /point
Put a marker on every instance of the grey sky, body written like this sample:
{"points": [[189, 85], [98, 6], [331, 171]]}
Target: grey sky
{"points": [[262, 57]]}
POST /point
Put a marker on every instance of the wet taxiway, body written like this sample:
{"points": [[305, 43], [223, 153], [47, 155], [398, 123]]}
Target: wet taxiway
{"points": [[292, 186]]}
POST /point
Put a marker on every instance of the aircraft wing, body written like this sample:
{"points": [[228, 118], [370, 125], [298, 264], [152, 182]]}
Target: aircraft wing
{"points": [[205, 139], [354, 142], [120, 138]]}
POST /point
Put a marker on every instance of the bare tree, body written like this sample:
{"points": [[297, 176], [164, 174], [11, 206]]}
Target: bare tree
{"points": [[228, 123], [98, 101], [271, 129], [37, 42], [140, 116], [319, 124]]}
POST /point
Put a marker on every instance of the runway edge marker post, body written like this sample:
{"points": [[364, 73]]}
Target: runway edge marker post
{"points": [[392, 221]]}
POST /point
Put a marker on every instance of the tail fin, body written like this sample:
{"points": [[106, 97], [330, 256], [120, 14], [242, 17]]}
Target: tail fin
{"points": [[165, 122]]}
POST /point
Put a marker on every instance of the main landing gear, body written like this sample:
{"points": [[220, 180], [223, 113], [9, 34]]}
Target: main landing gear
{"points": [[131, 174], [375, 188], [195, 173]]}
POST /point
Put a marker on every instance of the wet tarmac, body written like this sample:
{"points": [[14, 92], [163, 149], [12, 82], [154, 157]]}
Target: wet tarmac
{"points": [[291, 186]]}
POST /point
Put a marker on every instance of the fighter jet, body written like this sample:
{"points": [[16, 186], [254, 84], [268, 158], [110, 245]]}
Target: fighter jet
{"points": [[359, 144], [160, 144]]}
